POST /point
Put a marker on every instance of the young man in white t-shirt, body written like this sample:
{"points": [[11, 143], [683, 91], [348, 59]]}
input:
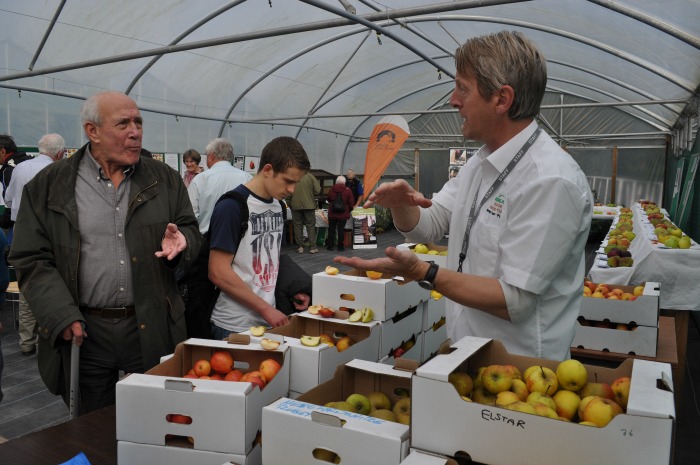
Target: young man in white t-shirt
{"points": [[244, 261]]}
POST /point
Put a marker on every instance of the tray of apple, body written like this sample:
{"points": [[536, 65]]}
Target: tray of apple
{"points": [[221, 366], [378, 405], [562, 394]]}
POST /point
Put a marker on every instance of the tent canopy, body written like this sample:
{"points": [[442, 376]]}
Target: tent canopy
{"points": [[622, 74]]}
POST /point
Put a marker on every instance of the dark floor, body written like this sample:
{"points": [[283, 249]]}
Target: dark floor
{"points": [[28, 406]]}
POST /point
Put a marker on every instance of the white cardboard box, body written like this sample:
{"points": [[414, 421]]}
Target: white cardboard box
{"points": [[311, 366], [433, 339], [132, 453], [439, 259], [642, 341], [418, 457], [434, 312], [414, 352], [298, 427], [497, 436], [226, 416], [354, 290], [643, 311], [399, 329]]}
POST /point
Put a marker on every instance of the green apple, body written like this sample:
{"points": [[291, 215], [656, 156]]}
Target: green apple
{"points": [[462, 382], [671, 242], [367, 315], [540, 398], [310, 341], [572, 375], [684, 242], [496, 378], [542, 380], [360, 402], [567, 403], [355, 316], [383, 414], [676, 232], [402, 410], [379, 400]]}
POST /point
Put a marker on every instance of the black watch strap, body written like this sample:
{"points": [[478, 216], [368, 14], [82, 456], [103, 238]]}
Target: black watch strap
{"points": [[432, 273]]}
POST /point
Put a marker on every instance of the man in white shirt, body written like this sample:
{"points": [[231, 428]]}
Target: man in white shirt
{"points": [[51, 149], [518, 213], [207, 187]]}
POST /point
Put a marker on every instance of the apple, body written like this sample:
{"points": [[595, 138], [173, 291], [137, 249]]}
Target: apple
{"points": [[326, 339], [542, 380], [462, 382], [523, 407], [520, 389], [398, 352], [638, 290], [313, 309], [597, 389], [435, 295], [465, 398], [234, 375], [331, 270], [513, 371], [477, 378], [367, 315], [540, 398], [379, 400], [483, 396], [256, 378], [582, 405], [191, 375], [326, 312], [257, 330], [601, 411], [269, 368], [402, 410], [373, 274], [572, 375], [342, 405], [360, 402], [598, 295], [384, 414], [310, 341], [587, 292], [179, 418], [621, 388], [496, 378], [202, 367], [343, 343], [567, 403], [355, 316], [421, 248], [544, 411], [590, 285], [504, 398], [269, 344]]}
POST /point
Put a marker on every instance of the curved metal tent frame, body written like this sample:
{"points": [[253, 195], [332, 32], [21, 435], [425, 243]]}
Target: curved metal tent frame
{"points": [[294, 64]]}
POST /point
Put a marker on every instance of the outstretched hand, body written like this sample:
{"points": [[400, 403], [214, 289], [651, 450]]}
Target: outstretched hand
{"points": [[395, 194], [173, 242], [396, 263]]}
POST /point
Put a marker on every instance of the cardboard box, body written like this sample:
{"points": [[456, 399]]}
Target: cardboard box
{"points": [[399, 329], [643, 311], [498, 436], [354, 290], [433, 312], [226, 416], [433, 339], [298, 427], [311, 366], [418, 457], [413, 350], [130, 453], [642, 341], [439, 259]]}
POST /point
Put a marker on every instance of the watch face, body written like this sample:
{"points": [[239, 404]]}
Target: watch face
{"points": [[426, 285]]}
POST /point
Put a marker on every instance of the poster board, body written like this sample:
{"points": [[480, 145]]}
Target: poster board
{"points": [[364, 228], [250, 164], [458, 157]]}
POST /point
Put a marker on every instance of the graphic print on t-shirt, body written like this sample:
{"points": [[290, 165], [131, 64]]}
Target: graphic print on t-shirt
{"points": [[265, 241]]}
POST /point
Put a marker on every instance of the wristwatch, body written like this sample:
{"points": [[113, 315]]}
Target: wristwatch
{"points": [[428, 282]]}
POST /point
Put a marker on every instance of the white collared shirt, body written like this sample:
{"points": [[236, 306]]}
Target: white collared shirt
{"points": [[208, 186], [530, 234], [22, 174]]}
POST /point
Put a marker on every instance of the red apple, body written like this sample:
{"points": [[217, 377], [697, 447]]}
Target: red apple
{"points": [[202, 367], [221, 362], [269, 368], [233, 375]]}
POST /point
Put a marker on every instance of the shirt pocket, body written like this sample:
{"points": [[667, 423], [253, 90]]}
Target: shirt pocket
{"points": [[484, 252]]}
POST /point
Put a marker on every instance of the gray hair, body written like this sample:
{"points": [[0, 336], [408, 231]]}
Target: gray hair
{"points": [[51, 144], [221, 149], [506, 58], [90, 112], [340, 179]]}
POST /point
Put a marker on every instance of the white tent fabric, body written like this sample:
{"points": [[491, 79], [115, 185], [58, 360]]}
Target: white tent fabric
{"points": [[620, 73]]}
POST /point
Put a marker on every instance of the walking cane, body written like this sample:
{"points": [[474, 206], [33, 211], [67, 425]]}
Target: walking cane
{"points": [[74, 395]]}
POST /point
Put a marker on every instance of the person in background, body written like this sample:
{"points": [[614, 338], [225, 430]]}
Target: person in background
{"points": [[221, 177], [4, 281], [51, 149], [99, 238], [244, 263], [337, 220], [518, 212], [10, 157], [355, 186], [303, 205], [191, 158]]}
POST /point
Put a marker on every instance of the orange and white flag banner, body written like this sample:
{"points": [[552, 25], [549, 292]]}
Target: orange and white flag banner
{"points": [[388, 136]]}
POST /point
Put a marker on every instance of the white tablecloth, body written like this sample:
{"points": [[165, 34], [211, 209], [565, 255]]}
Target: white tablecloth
{"points": [[678, 270]]}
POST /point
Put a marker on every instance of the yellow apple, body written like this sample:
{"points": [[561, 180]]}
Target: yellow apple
{"points": [[326, 339], [520, 388], [504, 398], [331, 270], [638, 290], [360, 402], [496, 378], [367, 315], [384, 414], [257, 330], [379, 400], [539, 398], [567, 403], [421, 248], [343, 343], [572, 375], [310, 341], [621, 388], [542, 380], [373, 274], [462, 382], [601, 411], [483, 396], [523, 407], [544, 411], [597, 389], [269, 344], [402, 410]]}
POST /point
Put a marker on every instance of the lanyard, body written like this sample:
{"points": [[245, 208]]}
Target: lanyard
{"points": [[474, 212]]}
